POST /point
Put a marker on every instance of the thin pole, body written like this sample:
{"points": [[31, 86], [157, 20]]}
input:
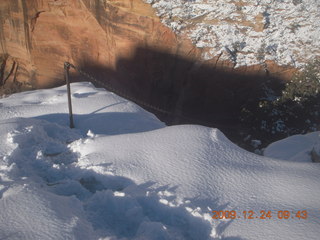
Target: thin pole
{"points": [[66, 75]]}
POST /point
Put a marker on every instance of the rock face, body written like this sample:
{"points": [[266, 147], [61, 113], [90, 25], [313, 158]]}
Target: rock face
{"points": [[37, 36], [157, 51], [40, 35], [247, 32]]}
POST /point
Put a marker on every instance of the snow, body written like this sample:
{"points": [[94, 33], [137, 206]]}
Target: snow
{"points": [[285, 31], [123, 174], [296, 148]]}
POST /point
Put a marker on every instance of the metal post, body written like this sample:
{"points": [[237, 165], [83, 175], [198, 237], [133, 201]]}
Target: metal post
{"points": [[66, 75]]}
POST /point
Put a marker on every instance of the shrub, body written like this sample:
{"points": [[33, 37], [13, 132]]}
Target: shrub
{"points": [[305, 84], [295, 111]]}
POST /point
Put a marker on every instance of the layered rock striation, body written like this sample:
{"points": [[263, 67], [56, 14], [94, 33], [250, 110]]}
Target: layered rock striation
{"points": [[37, 36], [40, 35]]}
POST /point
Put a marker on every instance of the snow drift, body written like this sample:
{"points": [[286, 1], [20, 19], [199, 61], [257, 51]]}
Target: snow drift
{"points": [[122, 174]]}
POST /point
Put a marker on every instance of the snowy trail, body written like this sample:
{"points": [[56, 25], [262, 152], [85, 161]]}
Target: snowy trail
{"points": [[47, 171], [121, 174], [212, 172]]}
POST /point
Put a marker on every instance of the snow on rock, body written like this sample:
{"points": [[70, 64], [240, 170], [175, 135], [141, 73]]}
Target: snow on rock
{"points": [[138, 179], [297, 148], [247, 32]]}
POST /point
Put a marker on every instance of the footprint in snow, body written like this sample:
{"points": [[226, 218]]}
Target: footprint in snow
{"points": [[115, 206]]}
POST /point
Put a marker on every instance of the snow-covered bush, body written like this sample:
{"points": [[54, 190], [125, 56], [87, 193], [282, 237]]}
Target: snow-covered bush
{"points": [[305, 84], [296, 111]]}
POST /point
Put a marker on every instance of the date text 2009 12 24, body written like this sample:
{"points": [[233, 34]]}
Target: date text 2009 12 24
{"points": [[263, 214]]}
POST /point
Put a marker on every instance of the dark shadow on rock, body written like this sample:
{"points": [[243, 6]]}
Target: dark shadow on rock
{"points": [[192, 92]]}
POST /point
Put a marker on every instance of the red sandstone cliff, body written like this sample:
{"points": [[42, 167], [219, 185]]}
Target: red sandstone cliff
{"points": [[37, 36]]}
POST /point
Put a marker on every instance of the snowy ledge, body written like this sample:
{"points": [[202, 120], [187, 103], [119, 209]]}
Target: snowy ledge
{"points": [[247, 32], [122, 174]]}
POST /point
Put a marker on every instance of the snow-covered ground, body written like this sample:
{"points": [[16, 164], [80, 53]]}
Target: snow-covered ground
{"points": [[297, 148], [122, 174], [247, 32]]}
